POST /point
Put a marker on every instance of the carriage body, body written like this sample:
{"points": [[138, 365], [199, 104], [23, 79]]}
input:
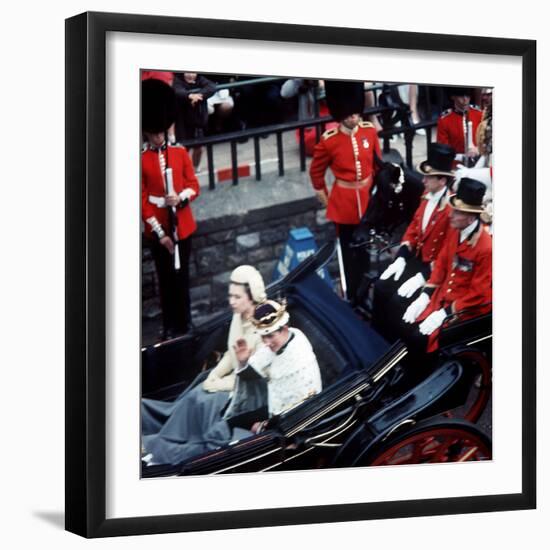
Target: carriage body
{"points": [[367, 401]]}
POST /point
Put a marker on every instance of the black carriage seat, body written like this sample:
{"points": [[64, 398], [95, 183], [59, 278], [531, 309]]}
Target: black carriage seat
{"points": [[168, 368], [466, 331], [331, 362], [423, 397]]}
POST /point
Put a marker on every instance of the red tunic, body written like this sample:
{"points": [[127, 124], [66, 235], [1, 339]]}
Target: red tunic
{"points": [[351, 160], [450, 127], [310, 134], [153, 188], [427, 244], [310, 137], [462, 275]]}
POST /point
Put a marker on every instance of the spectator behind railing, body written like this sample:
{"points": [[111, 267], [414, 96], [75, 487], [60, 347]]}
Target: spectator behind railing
{"points": [[370, 101], [309, 106], [409, 95], [306, 91], [259, 104], [221, 116], [192, 108]]}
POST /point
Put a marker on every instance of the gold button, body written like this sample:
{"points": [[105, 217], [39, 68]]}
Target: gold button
{"points": [[448, 290]]}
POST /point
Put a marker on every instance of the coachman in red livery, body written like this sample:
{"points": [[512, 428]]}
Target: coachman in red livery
{"points": [[462, 275], [420, 245]]}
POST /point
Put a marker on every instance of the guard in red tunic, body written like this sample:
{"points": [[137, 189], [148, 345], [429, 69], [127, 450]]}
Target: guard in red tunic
{"points": [[349, 150], [420, 245], [458, 125], [462, 275], [168, 186]]}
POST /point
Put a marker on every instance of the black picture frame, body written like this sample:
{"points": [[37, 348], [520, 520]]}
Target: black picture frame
{"points": [[86, 263]]}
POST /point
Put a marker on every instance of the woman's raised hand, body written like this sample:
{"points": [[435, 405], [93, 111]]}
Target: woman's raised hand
{"points": [[242, 351]]}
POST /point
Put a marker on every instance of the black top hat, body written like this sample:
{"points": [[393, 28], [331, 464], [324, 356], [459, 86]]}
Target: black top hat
{"points": [[469, 196], [158, 106], [440, 160], [344, 98]]}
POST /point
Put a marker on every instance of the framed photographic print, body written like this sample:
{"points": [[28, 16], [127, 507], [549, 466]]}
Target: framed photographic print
{"points": [[293, 318]]}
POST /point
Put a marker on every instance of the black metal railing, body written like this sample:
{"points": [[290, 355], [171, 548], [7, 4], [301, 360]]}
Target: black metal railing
{"points": [[401, 113]]}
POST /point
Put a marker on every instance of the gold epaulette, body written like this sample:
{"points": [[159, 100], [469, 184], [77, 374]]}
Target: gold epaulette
{"points": [[475, 107], [330, 133], [366, 124], [446, 113]]}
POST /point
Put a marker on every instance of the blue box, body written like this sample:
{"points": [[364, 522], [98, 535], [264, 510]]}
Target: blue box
{"points": [[300, 244]]}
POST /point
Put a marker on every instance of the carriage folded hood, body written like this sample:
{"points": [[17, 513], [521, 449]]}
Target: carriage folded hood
{"points": [[357, 342]]}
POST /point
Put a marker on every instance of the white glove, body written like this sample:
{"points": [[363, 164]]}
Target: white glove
{"points": [[432, 322], [214, 384], [416, 308], [187, 194], [396, 269], [409, 287]]}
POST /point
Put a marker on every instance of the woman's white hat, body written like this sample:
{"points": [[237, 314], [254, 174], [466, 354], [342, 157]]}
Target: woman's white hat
{"points": [[251, 278]]}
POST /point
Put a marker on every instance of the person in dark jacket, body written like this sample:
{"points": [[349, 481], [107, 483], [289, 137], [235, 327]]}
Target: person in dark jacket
{"points": [[192, 91]]}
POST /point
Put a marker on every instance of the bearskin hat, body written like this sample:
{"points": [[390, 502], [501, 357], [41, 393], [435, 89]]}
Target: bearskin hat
{"points": [[344, 98], [158, 106]]}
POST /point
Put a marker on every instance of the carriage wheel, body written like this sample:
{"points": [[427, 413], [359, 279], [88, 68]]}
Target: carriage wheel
{"points": [[477, 365], [432, 441]]}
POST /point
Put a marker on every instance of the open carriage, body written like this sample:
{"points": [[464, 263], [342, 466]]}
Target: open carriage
{"points": [[376, 407]]}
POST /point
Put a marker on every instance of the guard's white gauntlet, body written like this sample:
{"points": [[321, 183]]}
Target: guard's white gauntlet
{"points": [[187, 193]]}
